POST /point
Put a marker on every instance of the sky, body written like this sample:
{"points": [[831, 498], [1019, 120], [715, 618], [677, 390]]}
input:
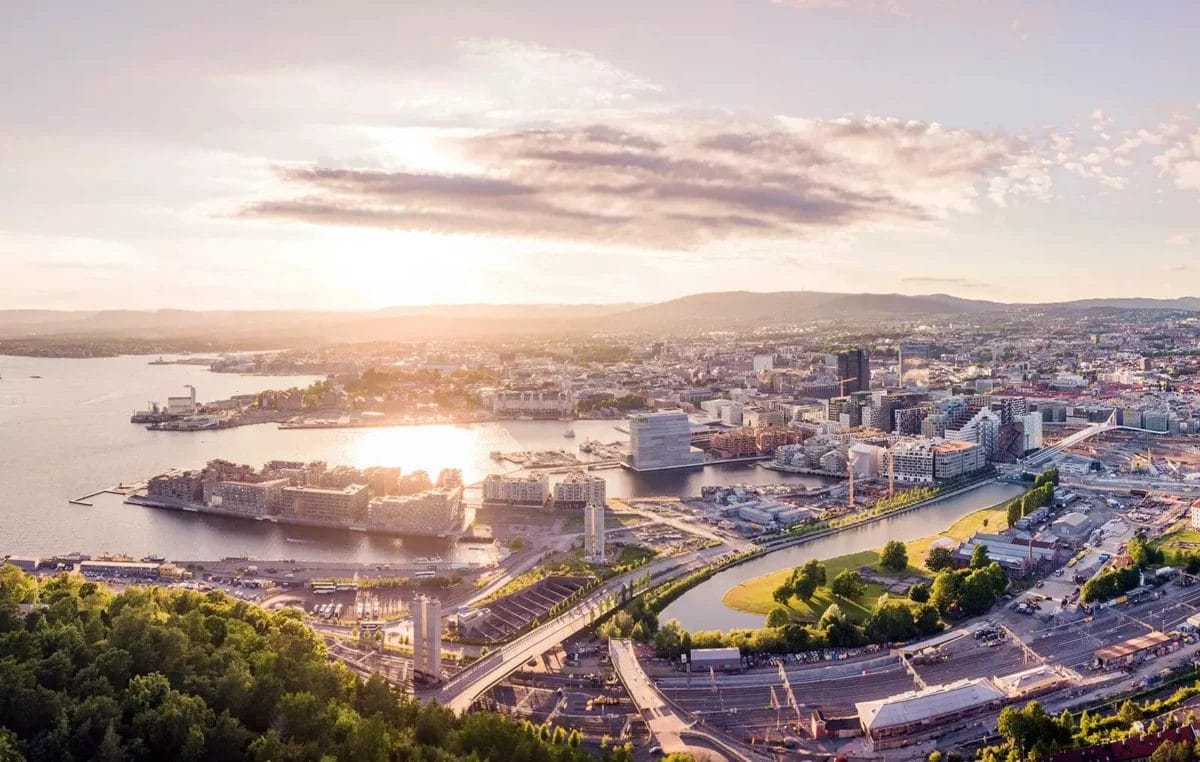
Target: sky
{"points": [[355, 155]]}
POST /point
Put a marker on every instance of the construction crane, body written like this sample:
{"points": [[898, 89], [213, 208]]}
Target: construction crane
{"points": [[842, 385]]}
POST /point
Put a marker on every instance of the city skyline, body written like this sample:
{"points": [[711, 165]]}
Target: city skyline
{"points": [[358, 157]]}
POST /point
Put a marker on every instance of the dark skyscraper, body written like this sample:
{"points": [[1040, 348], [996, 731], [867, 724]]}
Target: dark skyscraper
{"points": [[854, 367]]}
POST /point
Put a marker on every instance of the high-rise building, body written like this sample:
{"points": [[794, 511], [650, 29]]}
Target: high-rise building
{"points": [[914, 366], [593, 533], [854, 367], [660, 441], [427, 637]]}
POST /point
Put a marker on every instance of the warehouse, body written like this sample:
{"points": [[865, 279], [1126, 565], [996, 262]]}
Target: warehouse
{"points": [[897, 720], [719, 659], [1133, 650]]}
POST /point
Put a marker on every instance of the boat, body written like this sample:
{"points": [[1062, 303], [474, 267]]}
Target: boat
{"points": [[569, 433]]}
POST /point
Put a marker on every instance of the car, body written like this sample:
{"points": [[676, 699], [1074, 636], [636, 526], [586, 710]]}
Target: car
{"points": [[655, 751], [531, 663]]}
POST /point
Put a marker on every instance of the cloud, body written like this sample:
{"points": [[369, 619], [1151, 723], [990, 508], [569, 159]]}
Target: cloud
{"points": [[1183, 239], [676, 184]]}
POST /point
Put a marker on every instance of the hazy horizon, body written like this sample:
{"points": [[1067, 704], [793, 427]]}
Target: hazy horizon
{"points": [[357, 156]]}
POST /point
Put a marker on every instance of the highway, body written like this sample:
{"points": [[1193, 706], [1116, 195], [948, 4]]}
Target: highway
{"points": [[463, 688]]}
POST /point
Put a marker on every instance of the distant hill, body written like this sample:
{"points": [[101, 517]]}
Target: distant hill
{"points": [[265, 328], [752, 307]]}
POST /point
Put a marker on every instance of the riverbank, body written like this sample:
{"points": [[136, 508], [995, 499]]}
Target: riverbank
{"points": [[754, 596]]}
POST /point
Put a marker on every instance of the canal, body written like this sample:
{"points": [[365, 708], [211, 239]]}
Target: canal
{"points": [[701, 608]]}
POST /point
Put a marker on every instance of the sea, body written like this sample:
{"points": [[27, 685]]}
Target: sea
{"points": [[65, 433]]}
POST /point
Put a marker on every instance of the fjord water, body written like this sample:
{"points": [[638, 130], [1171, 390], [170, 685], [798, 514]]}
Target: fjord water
{"points": [[67, 434]]}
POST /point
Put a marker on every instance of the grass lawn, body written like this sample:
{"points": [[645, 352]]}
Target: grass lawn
{"points": [[754, 595], [1181, 539]]}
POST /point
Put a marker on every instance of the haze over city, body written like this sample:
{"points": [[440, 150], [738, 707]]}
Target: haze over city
{"points": [[358, 155], [681, 380]]}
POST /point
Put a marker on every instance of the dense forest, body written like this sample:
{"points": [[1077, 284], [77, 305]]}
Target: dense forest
{"points": [[160, 674]]}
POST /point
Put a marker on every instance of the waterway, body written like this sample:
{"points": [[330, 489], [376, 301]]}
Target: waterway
{"points": [[701, 608], [67, 434]]}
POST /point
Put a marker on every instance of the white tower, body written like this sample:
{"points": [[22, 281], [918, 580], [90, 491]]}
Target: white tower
{"points": [[433, 639], [593, 532]]}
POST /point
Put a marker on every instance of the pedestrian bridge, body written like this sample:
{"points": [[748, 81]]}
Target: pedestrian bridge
{"points": [[1045, 454]]}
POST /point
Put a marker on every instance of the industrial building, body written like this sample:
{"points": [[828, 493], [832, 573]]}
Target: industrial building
{"points": [[897, 720], [718, 659], [1133, 650], [661, 440], [1016, 556]]}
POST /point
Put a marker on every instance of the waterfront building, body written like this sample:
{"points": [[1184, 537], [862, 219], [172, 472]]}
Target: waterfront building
{"points": [[437, 512], [177, 486], [593, 533], [914, 366], [952, 459], [532, 403], [180, 406], [337, 506], [427, 638], [136, 569], [531, 490], [661, 440], [578, 489], [739, 443], [913, 461], [262, 498]]}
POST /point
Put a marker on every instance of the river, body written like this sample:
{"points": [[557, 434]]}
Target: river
{"points": [[67, 434], [701, 608]]}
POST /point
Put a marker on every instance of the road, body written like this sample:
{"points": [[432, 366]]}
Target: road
{"points": [[666, 724], [461, 690]]}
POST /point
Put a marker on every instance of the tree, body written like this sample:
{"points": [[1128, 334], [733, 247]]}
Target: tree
{"points": [[782, 594], [919, 592], [894, 556], [1014, 513], [938, 559], [849, 584], [778, 617], [1172, 751], [808, 578], [979, 557]]}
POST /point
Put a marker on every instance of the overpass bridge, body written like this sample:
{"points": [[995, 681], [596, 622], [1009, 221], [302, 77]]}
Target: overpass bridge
{"points": [[465, 686]]}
